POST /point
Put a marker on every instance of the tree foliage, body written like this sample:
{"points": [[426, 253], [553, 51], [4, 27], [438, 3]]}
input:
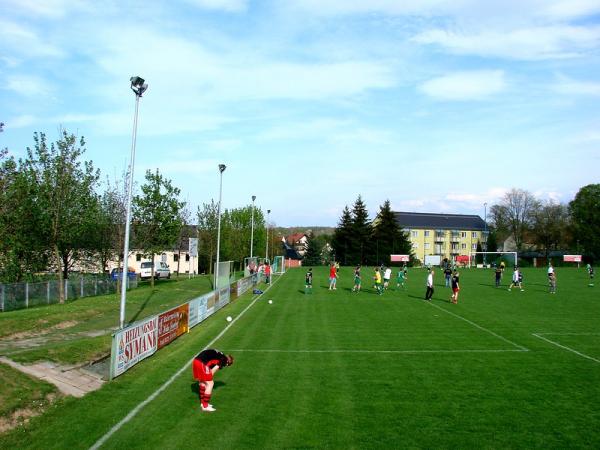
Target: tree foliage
{"points": [[312, 257], [388, 236], [585, 214], [515, 214], [342, 234]]}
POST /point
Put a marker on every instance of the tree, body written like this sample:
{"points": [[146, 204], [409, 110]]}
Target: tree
{"points": [[388, 236], [157, 215], [341, 237], [207, 233], [514, 214], [23, 247], [585, 211], [312, 257], [550, 225], [360, 249], [64, 190]]}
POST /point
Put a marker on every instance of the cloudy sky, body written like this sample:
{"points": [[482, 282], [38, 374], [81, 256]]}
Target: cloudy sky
{"points": [[438, 107]]}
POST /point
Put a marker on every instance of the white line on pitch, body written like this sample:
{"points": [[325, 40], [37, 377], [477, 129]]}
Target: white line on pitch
{"points": [[583, 355], [156, 393], [480, 327], [379, 351], [568, 334]]}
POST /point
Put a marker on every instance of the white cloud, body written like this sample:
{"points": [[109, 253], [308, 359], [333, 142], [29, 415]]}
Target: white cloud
{"points": [[569, 86], [464, 86], [221, 5], [22, 41], [533, 43], [22, 121]]}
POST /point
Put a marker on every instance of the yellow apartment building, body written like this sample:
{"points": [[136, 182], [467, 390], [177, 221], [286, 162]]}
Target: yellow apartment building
{"points": [[446, 235]]}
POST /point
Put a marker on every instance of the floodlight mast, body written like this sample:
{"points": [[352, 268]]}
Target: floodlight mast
{"points": [[222, 168], [252, 232], [138, 86]]}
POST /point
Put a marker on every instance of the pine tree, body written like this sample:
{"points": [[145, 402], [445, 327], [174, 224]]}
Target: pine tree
{"points": [[312, 257], [388, 237], [341, 237], [360, 251]]}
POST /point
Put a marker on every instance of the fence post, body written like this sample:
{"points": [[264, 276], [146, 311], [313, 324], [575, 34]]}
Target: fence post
{"points": [[66, 289], [2, 298], [27, 295], [81, 287], [95, 286], [48, 291]]}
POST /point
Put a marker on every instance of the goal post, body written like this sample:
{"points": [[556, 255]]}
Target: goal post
{"points": [[278, 265], [473, 254]]}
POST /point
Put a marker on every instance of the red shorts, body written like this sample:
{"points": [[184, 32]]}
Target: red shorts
{"points": [[201, 372], [455, 290]]}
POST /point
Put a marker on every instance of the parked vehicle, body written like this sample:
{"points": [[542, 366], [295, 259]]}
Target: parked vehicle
{"points": [[160, 271], [117, 274]]}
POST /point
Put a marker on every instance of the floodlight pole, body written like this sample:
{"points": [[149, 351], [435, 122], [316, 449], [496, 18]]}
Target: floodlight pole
{"points": [[485, 231], [252, 232], [267, 226], [138, 86], [222, 168]]}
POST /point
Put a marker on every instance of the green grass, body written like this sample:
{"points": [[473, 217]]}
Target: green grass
{"points": [[19, 391], [345, 370], [79, 331]]}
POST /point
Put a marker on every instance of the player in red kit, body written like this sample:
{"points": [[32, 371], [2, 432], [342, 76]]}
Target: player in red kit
{"points": [[204, 366]]}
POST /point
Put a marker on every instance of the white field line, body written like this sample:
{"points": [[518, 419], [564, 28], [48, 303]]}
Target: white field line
{"points": [[156, 393], [583, 355], [568, 334], [520, 347], [377, 351]]}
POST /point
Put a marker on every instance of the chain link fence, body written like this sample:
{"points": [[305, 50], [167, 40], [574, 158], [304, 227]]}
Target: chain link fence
{"points": [[26, 295]]}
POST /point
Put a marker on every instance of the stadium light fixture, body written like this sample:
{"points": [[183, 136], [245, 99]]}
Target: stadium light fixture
{"points": [[267, 226], [252, 232], [222, 168], [138, 86]]}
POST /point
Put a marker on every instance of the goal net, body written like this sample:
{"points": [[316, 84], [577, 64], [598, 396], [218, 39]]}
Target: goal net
{"points": [[222, 274], [278, 265], [488, 258]]}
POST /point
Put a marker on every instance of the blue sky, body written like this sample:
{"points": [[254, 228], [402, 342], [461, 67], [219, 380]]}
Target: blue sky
{"points": [[438, 106]]}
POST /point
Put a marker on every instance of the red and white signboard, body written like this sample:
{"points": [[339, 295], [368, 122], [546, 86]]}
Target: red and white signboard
{"points": [[172, 324], [399, 258], [572, 258]]}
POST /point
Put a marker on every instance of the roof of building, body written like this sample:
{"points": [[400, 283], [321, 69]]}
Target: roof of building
{"points": [[439, 221], [294, 238]]}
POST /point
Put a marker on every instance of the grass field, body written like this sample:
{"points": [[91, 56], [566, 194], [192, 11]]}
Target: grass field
{"points": [[337, 369]]}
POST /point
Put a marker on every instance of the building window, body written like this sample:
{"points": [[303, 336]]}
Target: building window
{"points": [[464, 246], [454, 246], [463, 234], [474, 247], [187, 256], [426, 233], [175, 257], [138, 257], [415, 245], [474, 234], [426, 245], [414, 233]]}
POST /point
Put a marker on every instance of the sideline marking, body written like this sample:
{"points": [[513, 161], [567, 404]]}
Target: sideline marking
{"points": [[378, 351], [523, 349], [583, 355], [156, 393]]}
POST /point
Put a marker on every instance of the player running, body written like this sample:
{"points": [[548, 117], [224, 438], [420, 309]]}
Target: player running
{"points": [[517, 279], [333, 274], [308, 282], [400, 278], [455, 287], [377, 279], [357, 280], [204, 366]]}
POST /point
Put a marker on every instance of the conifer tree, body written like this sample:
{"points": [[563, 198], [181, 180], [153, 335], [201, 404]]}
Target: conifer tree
{"points": [[312, 257], [388, 237], [341, 237], [360, 249]]}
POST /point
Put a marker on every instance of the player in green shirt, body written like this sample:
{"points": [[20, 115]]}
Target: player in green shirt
{"points": [[357, 280], [400, 279]]}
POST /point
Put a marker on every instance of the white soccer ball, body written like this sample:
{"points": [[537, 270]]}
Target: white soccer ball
{"points": [[229, 319], [270, 301]]}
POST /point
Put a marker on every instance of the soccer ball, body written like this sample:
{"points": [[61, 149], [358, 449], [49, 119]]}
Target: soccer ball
{"points": [[270, 301], [229, 319]]}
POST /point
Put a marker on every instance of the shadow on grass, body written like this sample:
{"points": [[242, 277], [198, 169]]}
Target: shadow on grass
{"points": [[142, 307], [195, 387]]}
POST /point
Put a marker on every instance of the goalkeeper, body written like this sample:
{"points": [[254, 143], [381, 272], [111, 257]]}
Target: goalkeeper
{"points": [[204, 366]]}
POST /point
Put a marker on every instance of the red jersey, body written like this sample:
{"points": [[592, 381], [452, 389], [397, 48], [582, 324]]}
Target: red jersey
{"points": [[332, 272]]}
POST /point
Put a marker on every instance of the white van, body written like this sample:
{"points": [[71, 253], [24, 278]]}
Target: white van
{"points": [[160, 271]]}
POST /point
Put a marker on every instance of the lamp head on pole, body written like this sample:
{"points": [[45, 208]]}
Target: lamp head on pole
{"points": [[268, 211], [253, 197], [138, 85], [222, 168]]}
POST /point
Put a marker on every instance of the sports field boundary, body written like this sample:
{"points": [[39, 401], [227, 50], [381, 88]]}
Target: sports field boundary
{"points": [[520, 347], [550, 341], [134, 412], [349, 351]]}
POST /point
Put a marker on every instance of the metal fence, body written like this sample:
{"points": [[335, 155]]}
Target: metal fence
{"points": [[26, 295]]}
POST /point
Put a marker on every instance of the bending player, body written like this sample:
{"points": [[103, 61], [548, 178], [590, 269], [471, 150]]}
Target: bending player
{"points": [[204, 366]]}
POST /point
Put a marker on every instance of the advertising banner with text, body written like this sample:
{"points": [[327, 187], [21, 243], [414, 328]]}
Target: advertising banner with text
{"points": [[243, 285], [133, 344], [172, 324]]}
